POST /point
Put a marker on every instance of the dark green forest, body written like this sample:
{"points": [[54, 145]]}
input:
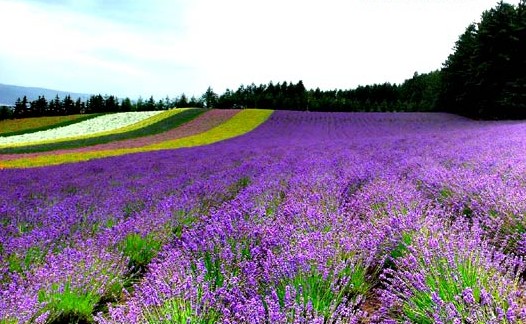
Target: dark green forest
{"points": [[484, 78]]}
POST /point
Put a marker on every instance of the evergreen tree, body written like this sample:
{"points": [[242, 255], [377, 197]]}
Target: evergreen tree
{"points": [[194, 102], [182, 101], [111, 104], [68, 106], [95, 104], [126, 105], [226, 100], [160, 105], [139, 105], [209, 98], [168, 103], [38, 107], [5, 113], [78, 107], [484, 77], [20, 108], [149, 105]]}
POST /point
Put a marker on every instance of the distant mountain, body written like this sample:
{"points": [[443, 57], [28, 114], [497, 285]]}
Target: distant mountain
{"points": [[9, 93]]}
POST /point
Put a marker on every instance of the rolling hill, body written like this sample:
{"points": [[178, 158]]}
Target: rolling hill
{"points": [[9, 93]]}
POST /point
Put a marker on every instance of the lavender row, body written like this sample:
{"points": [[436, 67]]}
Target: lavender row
{"points": [[310, 218]]}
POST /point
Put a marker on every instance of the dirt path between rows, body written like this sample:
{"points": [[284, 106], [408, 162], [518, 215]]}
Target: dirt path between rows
{"points": [[200, 124]]}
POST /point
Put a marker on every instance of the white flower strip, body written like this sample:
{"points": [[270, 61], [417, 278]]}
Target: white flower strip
{"points": [[88, 127]]}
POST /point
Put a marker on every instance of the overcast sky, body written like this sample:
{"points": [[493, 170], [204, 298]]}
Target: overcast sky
{"points": [[167, 47]]}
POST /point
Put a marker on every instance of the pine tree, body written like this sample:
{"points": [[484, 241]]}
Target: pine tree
{"points": [[126, 105], [484, 77], [209, 98], [67, 106], [20, 108], [182, 101]]}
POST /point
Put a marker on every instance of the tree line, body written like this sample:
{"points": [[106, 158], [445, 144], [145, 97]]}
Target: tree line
{"points": [[420, 93], [416, 94], [94, 104], [484, 77]]}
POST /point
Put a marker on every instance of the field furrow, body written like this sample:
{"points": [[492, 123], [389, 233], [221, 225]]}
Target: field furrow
{"points": [[407, 218]]}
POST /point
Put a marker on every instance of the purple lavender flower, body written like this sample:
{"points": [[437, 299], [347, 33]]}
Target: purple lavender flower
{"points": [[294, 222]]}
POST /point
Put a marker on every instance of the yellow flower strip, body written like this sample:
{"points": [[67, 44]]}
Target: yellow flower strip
{"points": [[243, 122], [143, 123]]}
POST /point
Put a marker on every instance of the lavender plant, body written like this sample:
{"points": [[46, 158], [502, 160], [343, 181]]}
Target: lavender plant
{"points": [[451, 274], [310, 218]]}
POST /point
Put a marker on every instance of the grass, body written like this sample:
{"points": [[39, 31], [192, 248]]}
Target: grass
{"points": [[241, 123], [151, 126], [140, 250], [17, 263], [11, 127], [449, 284], [180, 311], [399, 250], [325, 293], [68, 305], [466, 285]]}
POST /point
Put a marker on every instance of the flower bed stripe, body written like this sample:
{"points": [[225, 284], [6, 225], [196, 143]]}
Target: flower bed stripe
{"points": [[12, 127], [199, 124], [154, 125], [242, 123], [96, 125]]}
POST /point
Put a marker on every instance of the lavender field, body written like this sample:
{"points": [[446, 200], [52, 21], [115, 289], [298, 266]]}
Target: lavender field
{"points": [[310, 218]]}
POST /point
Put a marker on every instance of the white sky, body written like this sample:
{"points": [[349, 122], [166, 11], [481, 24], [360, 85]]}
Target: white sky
{"points": [[163, 47]]}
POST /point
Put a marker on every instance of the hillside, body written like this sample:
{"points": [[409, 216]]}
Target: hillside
{"points": [[9, 93]]}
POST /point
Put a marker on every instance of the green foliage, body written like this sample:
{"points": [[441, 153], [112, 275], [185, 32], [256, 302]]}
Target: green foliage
{"points": [[419, 93], [400, 249], [34, 255], [110, 222], [467, 212], [24, 227], [449, 282], [241, 248], [510, 232], [183, 220], [209, 98], [8, 321], [132, 207], [239, 185], [214, 272], [484, 77], [67, 305], [445, 193], [325, 292], [177, 310], [140, 250], [272, 206], [5, 113]]}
